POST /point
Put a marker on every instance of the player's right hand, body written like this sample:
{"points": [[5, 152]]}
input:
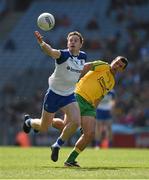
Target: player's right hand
{"points": [[38, 37]]}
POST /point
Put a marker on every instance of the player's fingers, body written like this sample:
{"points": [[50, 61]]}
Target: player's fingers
{"points": [[38, 36], [36, 33]]}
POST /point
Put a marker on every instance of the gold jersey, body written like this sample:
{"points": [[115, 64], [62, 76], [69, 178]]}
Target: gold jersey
{"points": [[96, 83]]}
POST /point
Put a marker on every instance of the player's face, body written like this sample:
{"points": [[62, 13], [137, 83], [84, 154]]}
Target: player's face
{"points": [[74, 43], [117, 65]]}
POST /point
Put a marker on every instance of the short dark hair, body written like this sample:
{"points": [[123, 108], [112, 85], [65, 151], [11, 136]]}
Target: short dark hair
{"points": [[78, 34]]}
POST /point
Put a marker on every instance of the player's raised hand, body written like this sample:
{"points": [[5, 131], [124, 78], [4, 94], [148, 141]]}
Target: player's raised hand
{"points": [[38, 37]]}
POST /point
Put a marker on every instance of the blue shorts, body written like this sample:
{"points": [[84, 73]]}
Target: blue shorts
{"points": [[53, 102], [103, 115]]}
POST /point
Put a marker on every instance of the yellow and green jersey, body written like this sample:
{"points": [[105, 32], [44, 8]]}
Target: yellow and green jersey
{"points": [[96, 83]]}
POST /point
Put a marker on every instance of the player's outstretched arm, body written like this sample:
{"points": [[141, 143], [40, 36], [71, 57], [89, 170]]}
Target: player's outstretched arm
{"points": [[54, 53], [87, 67]]}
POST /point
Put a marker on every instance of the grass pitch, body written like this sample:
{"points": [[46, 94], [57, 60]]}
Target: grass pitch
{"points": [[35, 163]]}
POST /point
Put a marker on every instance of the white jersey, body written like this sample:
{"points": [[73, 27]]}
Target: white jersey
{"points": [[106, 103], [67, 72]]}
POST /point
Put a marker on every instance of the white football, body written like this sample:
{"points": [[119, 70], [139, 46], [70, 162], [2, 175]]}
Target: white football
{"points": [[46, 21]]}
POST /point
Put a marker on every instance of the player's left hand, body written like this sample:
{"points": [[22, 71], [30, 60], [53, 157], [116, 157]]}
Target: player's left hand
{"points": [[38, 37]]}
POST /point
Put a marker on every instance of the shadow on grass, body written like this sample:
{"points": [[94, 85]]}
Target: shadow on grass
{"points": [[95, 168]]}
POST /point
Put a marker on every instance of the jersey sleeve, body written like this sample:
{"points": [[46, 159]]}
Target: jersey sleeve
{"points": [[63, 57], [83, 55]]}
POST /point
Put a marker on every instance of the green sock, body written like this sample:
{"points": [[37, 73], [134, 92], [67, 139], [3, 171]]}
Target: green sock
{"points": [[73, 155]]}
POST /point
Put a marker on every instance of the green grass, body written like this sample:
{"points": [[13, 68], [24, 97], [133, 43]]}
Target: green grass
{"points": [[35, 163]]}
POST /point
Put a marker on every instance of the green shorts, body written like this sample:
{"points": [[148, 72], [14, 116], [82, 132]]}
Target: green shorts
{"points": [[86, 108]]}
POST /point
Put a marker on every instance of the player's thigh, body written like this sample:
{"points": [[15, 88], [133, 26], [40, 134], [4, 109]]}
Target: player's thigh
{"points": [[99, 123], [46, 118], [109, 124], [98, 127], [72, 112]]}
